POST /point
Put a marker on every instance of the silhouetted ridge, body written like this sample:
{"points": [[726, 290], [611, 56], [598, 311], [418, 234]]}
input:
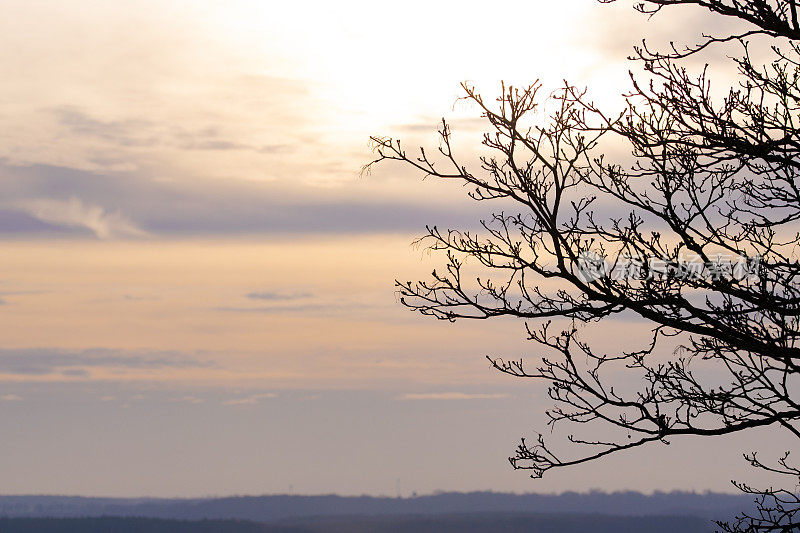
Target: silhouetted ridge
{"points": [[280, 507]]}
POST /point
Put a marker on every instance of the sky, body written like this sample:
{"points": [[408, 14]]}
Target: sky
{"points": [[196, 281]]}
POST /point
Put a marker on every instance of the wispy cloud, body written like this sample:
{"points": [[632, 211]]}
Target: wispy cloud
{"points": [[310, 309], [48, 361], [278, 295], [250, 400], [188, 399], [74, 213], [127, 132], [452, 396], [10, 398]]}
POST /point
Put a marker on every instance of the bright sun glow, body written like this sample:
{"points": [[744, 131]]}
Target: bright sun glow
{"points": [[379, 64]]}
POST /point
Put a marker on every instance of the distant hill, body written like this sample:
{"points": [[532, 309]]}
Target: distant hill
{"points": [[136, 525], [282, 507], [466, 523]]}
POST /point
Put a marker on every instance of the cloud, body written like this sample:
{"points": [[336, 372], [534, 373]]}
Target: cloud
{"points": [[73, 213], [206, 139], [188, 399], [431, 125], [136, 298], [14, 220], [276, 295], [62, 201], [214, 145], [321, 309], [47, 361], [120, 132], [451, 396], [274, 148], [10, 398], [250, 400], [75, 372]]}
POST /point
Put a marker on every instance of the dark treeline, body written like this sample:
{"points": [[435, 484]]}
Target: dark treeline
{"points": [[467, 523]]}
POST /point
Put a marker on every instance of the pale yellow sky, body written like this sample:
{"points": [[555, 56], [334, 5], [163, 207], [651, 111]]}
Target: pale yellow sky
{"points": [[280, 313]]}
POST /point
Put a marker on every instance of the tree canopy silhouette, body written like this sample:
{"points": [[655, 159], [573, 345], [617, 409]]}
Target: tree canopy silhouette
{"points": [[696, 234]]}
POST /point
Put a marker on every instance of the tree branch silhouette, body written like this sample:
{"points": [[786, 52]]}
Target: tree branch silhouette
{"points": [[708, 178]]}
